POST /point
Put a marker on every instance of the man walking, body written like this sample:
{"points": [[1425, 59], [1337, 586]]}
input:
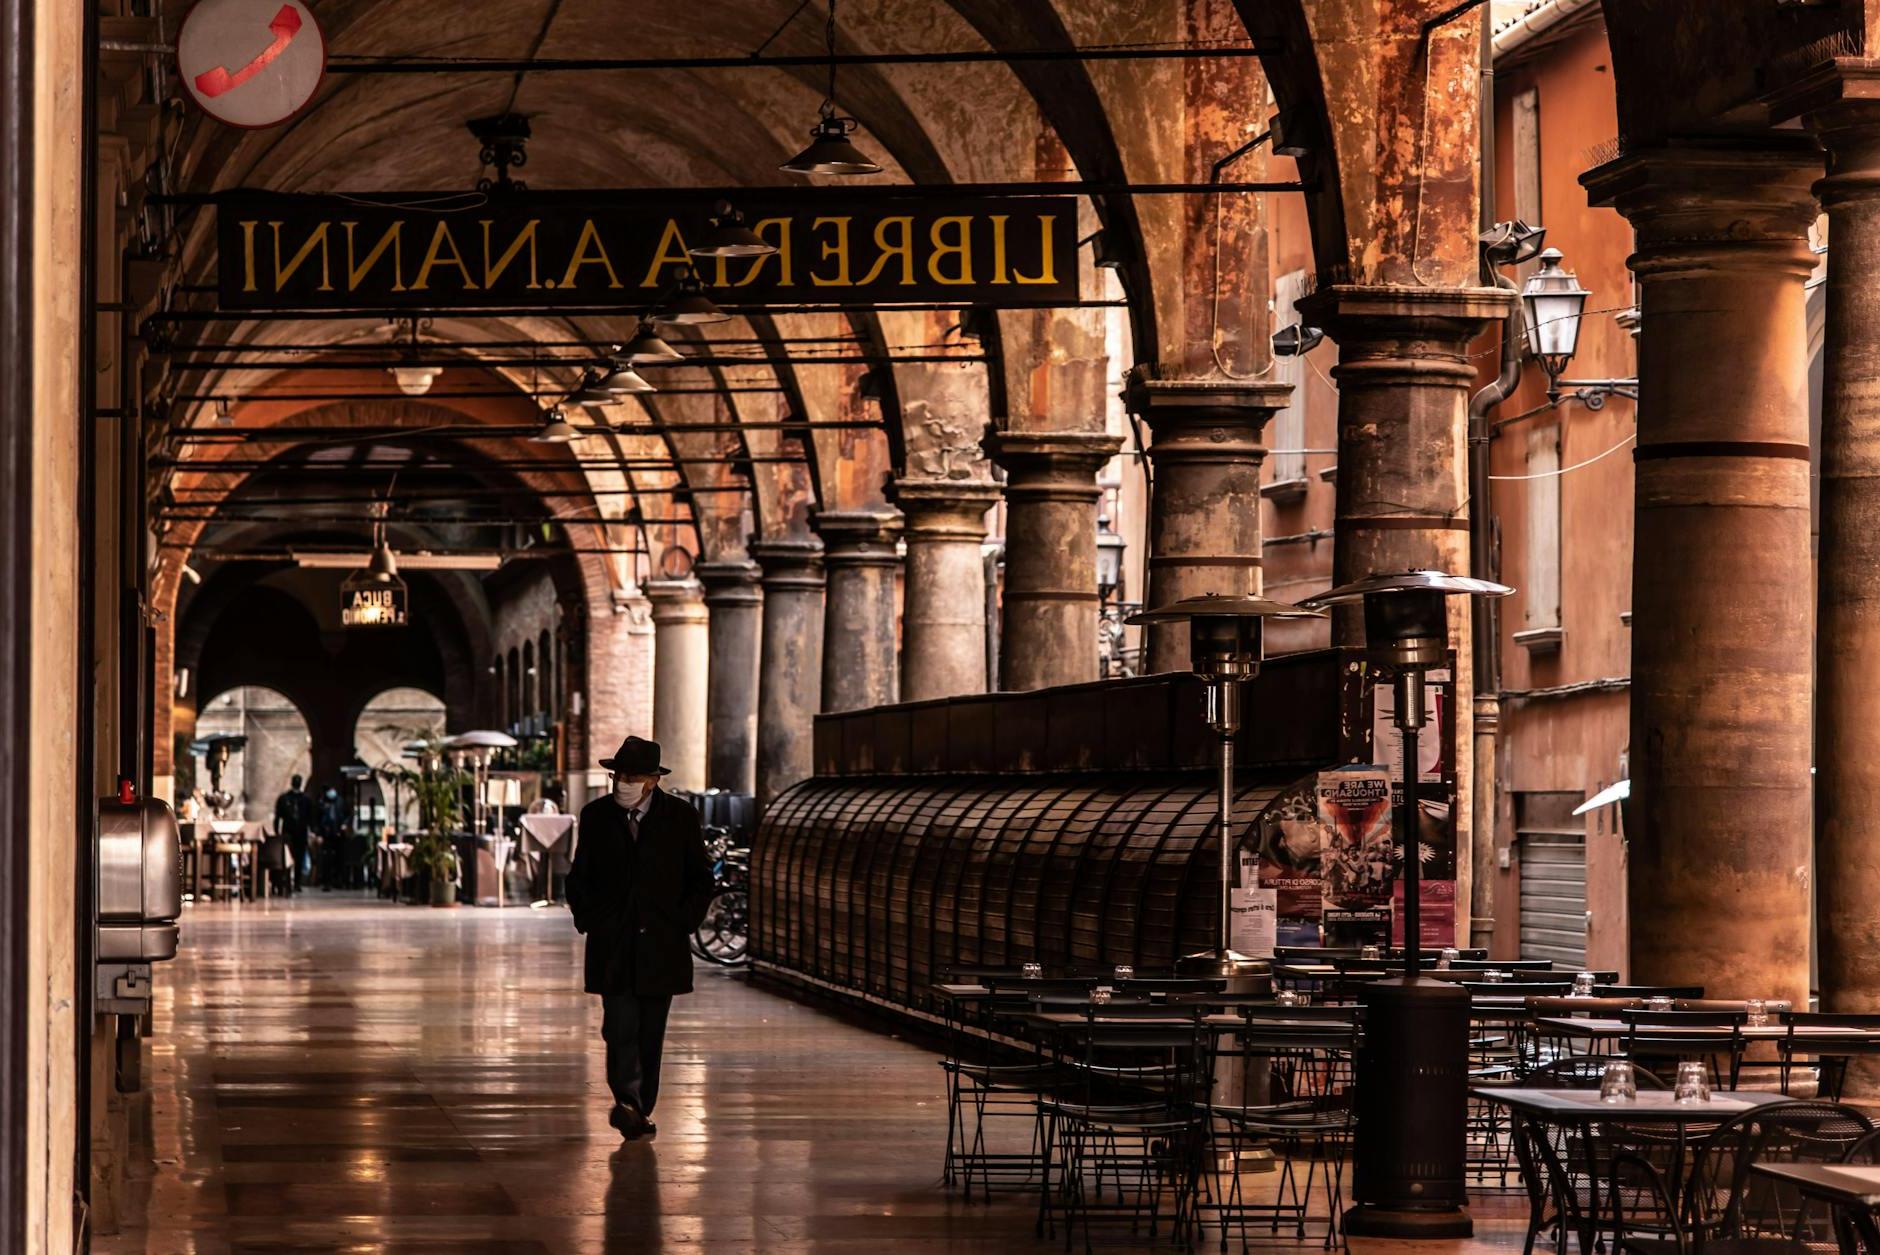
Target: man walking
{"points": [[293, 816], [639, 887]]}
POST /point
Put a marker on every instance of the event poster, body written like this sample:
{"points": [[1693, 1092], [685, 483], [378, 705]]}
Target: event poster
{"points": [[1436, 927], [1288, 861]]}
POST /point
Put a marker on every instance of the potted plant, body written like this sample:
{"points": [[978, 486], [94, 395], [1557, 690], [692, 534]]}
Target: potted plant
{"points": [[438, 789]]}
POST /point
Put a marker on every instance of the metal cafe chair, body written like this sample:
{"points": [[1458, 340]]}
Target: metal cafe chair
{"points": [[1857, 1228], [1831, 1057], [1307, 1057], [1128, 1129], [1710, 1037], [1723, 1206]]}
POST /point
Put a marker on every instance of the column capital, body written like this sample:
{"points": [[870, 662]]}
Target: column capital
{"points": [[1060, 465], [1840, 102], [1355, 311], [858, 537], [729, 582], [944, 509], [1739, 204], [676, 601], [1203, 400], [789, 562]]}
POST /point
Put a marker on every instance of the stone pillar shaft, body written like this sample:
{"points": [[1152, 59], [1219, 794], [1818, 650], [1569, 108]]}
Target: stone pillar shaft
{"points": [[735, 610], [860, 558], [1204, 515], [1718, 821], [943, 620], [1403, 488], [1048, 623], [790, 680], [1847, 712], [681, 667]]}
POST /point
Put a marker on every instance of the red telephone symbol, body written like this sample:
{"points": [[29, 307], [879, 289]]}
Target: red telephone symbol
{"points": [[286, 25]]}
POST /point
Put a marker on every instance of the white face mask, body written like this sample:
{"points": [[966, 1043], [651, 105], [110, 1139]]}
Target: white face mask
{"points": [[630, 793]]}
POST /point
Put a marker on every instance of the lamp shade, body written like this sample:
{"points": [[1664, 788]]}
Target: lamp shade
{"points": [[1552, 301], [592, 392], [647, 347], [830, 151], [414, 381], [690, 307], [622, 380], [383, 565], [731, 237], [555, 430]]}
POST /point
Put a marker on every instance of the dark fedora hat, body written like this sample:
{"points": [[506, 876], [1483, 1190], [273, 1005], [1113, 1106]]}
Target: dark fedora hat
{"points": [[636, 757]]}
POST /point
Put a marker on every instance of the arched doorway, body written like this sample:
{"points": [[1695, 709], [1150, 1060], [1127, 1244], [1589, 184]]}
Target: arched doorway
{"points": [[387, 722], [280, 746]]}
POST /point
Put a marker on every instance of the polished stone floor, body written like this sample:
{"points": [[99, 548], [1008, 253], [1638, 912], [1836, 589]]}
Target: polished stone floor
{"points": [[338, 1074]]}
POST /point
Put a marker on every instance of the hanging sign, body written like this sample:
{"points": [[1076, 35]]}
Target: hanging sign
{"points": [[365, 602], [251, 63], [548, 249]]}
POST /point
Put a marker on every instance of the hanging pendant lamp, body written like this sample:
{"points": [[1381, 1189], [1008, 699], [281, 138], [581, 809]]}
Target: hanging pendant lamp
{"points": [[830, 151], [593, 391], [555, 429], [730, 237], [623, 380], [690, 307], [646, 348]]}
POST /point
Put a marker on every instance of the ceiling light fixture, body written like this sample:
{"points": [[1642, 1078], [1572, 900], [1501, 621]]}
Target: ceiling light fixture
{"points": [[730, 237], [413, 380], [593, 392], [689, 306], [830, 151], [623, 380], [647, 348], [555, 429]]}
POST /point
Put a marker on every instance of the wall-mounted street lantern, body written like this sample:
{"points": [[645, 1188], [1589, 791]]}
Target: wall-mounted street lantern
{"points": [[1552, 302], [1225, 646], [1410, 1161], [1110, 548]]}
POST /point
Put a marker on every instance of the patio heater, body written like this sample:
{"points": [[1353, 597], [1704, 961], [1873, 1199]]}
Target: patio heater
{"points": [[1224, 648], [1409, 1164]]}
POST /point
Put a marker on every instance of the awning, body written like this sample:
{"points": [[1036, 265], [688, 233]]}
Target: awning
{"points": [[1605, 797]]}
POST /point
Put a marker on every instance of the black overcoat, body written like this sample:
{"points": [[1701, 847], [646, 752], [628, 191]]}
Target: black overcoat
{"points": [[639, 902]]}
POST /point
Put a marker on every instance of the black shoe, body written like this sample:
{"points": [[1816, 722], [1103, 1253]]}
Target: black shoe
{"points": [[629, 1122], [647, 1127]]}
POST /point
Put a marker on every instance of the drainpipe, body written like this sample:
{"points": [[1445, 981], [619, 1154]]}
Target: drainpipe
{"points": [[1483, 563]]}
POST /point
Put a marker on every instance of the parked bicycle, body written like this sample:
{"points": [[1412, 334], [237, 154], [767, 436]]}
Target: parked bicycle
{"points": [[724, 937]]}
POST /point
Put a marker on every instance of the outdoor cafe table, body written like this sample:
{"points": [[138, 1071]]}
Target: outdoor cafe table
{"points": [[1853, 1188], [1597, 1028], [1582, 1109]]}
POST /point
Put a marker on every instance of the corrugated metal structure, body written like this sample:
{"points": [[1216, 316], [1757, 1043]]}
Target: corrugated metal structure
{"points": [[1075, 827]]}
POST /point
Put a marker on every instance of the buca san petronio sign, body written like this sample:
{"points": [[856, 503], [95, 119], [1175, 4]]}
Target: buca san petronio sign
{"points": [[584, 248]]}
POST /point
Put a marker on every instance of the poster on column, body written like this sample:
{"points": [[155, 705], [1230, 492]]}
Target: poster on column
{"points": [[1437, 926], [1287, 865], [1359, 861]]}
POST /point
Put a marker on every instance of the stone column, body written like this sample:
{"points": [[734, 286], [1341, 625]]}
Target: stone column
{"points": [[1204, 515], [790, 680], [943, 616], [860, 557], [1722, 613], [1048, 624], [1404, 377], [681, 666], [734, 608], [1847, 632]]}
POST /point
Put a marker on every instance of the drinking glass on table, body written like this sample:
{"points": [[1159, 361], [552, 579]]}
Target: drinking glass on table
{"points": [[1494, 976], [1305, 999], [1693, 1083], [1123, 972], [1033, 971], [1371, 953], [1758, 1012], [1658, 1002], [1449, 955], [1619, 1084], [1582, 985], [1287, 998], [1100, 996]]}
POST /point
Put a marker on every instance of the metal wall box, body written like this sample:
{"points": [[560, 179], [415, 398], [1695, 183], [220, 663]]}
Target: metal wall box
{"points": [[140, 892]]}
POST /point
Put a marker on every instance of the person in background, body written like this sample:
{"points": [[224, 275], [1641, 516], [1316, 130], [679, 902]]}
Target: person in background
{"points": [[293, 820], [330, 822], [639, 887]]}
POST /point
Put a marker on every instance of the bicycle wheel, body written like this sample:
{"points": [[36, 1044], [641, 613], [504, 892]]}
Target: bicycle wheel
{"points": [[724, 936]]}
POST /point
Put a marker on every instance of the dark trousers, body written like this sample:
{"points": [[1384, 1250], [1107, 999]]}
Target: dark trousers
{"points": [[634, 1029]]}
